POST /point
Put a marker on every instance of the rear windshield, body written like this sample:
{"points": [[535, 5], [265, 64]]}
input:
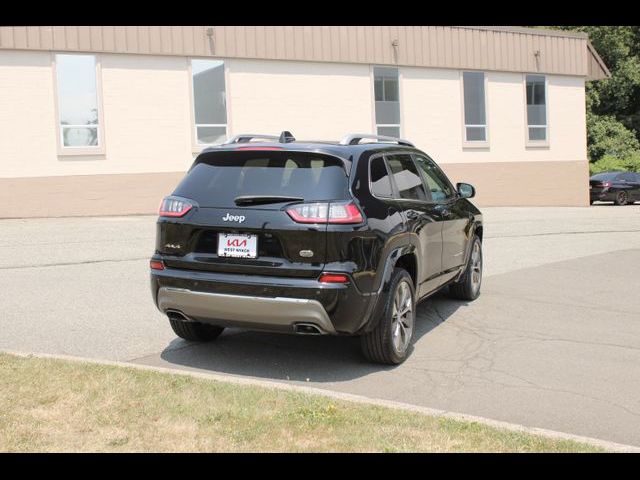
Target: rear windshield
{"points": [[605, 176], [220, 177]]}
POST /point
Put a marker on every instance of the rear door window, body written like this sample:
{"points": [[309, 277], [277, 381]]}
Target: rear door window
{"points": [[219, 177], [380, 181], [406, 177]]}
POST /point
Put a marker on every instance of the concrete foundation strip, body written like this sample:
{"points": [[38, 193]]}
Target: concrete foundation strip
{"points": [[609, 446]]}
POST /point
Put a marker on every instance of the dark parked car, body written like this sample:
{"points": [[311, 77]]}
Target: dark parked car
{"points": [[621, 188], [314, 238]]}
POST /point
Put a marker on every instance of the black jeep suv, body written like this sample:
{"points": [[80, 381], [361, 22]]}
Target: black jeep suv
{"points": [[268, 233]]}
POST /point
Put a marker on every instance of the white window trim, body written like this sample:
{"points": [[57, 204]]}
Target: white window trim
{"points": [[469, 144], [536, 143], [63, 150], [195, 146], [373, 100]]}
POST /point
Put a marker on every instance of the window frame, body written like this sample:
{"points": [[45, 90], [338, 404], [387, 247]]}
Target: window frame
{"points": [[374, 123], [466, 144], [196, 147], [536, 143], [70, 151]]}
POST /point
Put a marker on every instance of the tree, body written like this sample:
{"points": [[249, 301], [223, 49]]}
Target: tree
{"points": [[613, 104]]}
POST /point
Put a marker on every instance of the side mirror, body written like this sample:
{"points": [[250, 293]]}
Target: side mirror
{"points": [[466, 190]]}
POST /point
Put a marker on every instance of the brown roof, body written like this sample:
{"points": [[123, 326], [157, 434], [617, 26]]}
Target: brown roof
{"points": [[511, 49]]}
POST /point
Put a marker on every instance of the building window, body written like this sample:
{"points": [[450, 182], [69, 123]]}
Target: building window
{"points": [[536, 108], [209, 101], [78, 110], [387, 97], [475, 116]]}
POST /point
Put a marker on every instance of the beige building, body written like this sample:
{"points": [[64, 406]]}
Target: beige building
{"points": [[106, 120]]}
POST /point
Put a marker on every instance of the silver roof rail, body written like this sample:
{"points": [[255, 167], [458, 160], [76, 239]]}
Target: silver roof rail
{"points": [[354, 139], [247, 137]]}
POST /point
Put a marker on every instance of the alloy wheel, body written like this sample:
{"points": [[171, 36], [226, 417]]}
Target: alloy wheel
{"points": [[622, 198], [476, 266], [402, 317]]}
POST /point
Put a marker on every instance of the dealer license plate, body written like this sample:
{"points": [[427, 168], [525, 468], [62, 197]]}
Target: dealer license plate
{"points": [[239, 246]]}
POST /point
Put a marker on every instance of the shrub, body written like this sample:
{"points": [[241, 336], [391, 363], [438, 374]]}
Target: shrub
{"points": [[610, 163], [609, 137]]}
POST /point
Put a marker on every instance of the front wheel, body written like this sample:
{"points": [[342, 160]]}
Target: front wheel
{"points": [[389, 342], [468, 287]]}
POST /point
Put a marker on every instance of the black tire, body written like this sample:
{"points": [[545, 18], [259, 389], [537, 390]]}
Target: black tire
{"points": [[194, 331], [622, 198], [378, 345], [466, 288]]}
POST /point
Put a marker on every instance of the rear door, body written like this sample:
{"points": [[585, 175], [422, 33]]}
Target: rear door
{"points": [[422, 216], [234, 213]]}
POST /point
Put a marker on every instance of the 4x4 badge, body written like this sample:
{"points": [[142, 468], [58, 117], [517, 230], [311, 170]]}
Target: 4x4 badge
{"points": [[233, 218]]}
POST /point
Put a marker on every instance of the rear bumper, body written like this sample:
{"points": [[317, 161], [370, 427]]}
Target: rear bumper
{"points": [[279, 313], [602, 196], [259, 302]]}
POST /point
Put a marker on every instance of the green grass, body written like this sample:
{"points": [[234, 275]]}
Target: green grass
{"points": [[51, 405]]}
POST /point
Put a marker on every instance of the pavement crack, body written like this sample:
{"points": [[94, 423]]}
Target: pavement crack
{"points": [[65, 264]]}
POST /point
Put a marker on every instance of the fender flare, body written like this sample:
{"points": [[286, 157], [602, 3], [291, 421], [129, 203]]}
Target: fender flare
{"points": [[467, 253], [385, 281]]}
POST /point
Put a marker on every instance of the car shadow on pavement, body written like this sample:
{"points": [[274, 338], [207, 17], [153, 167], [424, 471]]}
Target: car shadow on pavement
{"points": [[296, 357]]}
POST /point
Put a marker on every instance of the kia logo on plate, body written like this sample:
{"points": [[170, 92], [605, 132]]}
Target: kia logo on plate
{"points": [[236, 243], [233, 218]]}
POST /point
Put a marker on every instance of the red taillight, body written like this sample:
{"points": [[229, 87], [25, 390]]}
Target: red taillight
{"points": [[156, 265], [333, 278], [174, 207], [325, 212]]}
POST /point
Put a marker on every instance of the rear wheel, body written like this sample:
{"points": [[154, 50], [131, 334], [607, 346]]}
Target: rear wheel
{"points": [[195, 331], [468, 287], [390, 341], [622, 198]]}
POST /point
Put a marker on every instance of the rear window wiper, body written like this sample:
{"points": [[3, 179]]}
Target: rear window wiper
{"points": [[263, 199]]}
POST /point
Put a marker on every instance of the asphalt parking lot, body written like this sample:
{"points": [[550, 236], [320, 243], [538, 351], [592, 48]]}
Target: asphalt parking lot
{"points": [[553, 342]]}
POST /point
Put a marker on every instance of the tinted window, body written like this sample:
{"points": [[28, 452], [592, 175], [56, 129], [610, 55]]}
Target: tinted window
{"points": [[435, 180], [209, 100], [406, 177], [474, 106], [629, 177], [389, 131], [220, 177], [380, 181], [387, 99], [606, 176], [536, 107]]}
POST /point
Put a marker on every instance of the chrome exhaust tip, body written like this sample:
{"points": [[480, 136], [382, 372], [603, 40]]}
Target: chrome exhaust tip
{"points": [[307, 329], [177, 315]]}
